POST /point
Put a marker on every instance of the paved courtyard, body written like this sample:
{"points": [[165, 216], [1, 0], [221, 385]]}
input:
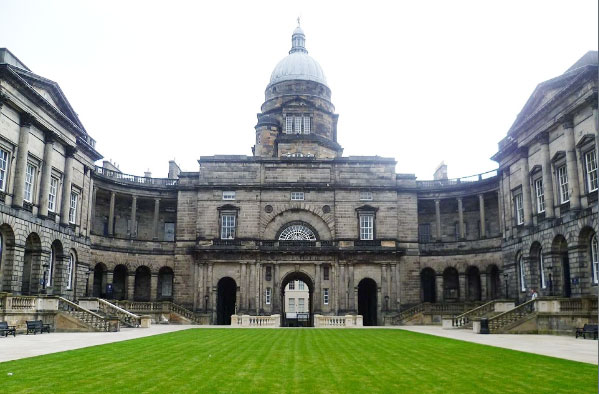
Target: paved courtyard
{"points": [[549, 345]]}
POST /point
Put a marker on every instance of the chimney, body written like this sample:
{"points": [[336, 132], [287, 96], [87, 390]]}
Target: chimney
{"points": [[440, 172], [109, 166], [173, 170]]}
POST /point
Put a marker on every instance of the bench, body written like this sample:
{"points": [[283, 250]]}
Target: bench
{"points": [[587, 329], [36, 326], [7, 330]]}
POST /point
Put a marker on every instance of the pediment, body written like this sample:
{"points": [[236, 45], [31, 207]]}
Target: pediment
{"points": [[535, 169], [558, 155], [585, 140]]}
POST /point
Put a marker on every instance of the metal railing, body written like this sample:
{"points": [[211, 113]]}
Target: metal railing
{"points": [[134, 179], [465, 318], [432, 184], [94, 320], [505, 319]]}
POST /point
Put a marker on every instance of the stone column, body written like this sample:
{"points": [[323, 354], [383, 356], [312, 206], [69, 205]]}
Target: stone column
{"points": [[350, 289], [195, 284], [462, 284], [243, 286], [461, 218], [507, 208], [111, 214], [526, 196], [92, 207], [276, 292], [155, 222], [258, 272], [66, 186], [210, 290], [317, 289], [343, 291], [481, 207], [571, 166], [439, 284], [46, 175], [21, 162], [334, 286], [547, 178], [397, 286], [133, 230], [438, 217], [383, 286], [130, 285], [483, 286]]}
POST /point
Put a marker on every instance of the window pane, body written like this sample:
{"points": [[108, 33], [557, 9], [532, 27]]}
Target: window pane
{"points": [[289, 124], [522, 277], [298, 125], [562, 177], [595, 258], [73, 208], [306, 125], [519, 209], [540, 196], [229, 195], [591, 166], [3, 167], [228, 226], [52, 194], [29, 179], [542, 269], [366, 227]]}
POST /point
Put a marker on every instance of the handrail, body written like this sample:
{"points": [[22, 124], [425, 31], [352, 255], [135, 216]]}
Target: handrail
{"points": [[464, 318], [93, 319], [412, 311], [123, 315], [168, 182], [503, 319], [163, 306], [456, 181]]}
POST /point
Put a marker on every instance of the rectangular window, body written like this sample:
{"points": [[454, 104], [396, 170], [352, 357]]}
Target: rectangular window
{"points": [[300, 285], [590, 160], [298, 125], [291, 305], [519, 206], [297, 196], [227, 229], [229, 196], [562, 180], [292, 285], [73, 207], [424, 232], [300, 305], [29, 180], [366, 227], [267, 296], [365, 196], [540, 196], [325, 272], [306, 125], [325, 296], [289, 125], [52, 194], [268, 273], [169, 231], [3, 168]]}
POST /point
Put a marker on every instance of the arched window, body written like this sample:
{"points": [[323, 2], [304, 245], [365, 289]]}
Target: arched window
{"points": [[50, 267], [70, 269], [595, 259], [297, 232], [522, 275], [542, 269]]}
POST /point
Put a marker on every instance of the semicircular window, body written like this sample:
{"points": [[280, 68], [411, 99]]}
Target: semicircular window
{"points": [[297, 232]]}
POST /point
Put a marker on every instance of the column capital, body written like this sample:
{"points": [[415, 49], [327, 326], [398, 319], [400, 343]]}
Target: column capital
{"points": [[566, 121], [26, 119], [49, 136], [69, 151], [592, 100], [523, 152], [134, 197], [542, 138], [3, 99]]}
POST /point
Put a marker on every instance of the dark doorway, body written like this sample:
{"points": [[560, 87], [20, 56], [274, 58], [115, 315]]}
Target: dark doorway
{"points": [[297, 286], [143, 279], [494, 284], [119, 282], [99, 285], [566, 265], [225, 302], [32, 261], [451, 284], [427, 285], [165, 283], [560, 252], [473, 283], [367, 304]]}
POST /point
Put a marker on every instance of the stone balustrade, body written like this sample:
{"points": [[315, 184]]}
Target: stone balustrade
{"points": [[270, 321], [321, 321]]}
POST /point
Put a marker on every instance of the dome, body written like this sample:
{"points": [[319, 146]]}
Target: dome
{"points": [[298, 65]]}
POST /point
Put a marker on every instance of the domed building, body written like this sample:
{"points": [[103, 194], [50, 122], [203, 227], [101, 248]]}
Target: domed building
{"points": [[221, 245]]}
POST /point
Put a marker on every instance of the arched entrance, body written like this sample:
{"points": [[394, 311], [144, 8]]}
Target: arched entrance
{"points": [[119, 282], [99, 284], [473, 283], [31, 263], [143, 279], [494, 284], [367, 303], [165, 283], [560, 252], [7, 252], [225, 301], [427, 285], [295, 287], [451, 284]]}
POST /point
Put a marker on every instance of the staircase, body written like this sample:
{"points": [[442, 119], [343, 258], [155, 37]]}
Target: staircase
{"points": [[163, 307], [506, 320], [88, 318], [408, 314], [125, 317], [465, 319]]}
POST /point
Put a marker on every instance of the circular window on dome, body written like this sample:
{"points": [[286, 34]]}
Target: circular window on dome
{"points": [[297, 232]]}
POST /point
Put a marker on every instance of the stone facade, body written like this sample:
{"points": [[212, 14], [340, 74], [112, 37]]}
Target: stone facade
{"points": [[366, 240]]}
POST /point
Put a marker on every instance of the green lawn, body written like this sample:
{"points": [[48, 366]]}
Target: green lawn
{"points": [[295, 360]]}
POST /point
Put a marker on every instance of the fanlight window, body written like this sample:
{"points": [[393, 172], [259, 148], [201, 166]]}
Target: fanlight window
{"points": [[297, 232]]}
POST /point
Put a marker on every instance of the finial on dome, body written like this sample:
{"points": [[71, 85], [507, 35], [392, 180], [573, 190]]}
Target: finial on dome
{"points": [[298, 39]]}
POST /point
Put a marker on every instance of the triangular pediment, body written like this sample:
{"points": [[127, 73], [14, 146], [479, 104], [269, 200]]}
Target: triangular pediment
{"points": [[298, 103]]}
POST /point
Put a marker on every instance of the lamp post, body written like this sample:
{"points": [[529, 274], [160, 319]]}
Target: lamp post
{"points": [[386, 302], [87, 273], [505, 276], [206, 303], [45, 265]]}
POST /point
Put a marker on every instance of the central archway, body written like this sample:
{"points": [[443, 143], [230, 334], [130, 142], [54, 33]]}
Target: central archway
{"points": [[225, 301], [297, 317], [427, 285], [119, 281], [367, 304]]}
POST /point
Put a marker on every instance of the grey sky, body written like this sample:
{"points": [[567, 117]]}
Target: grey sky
{"points": [[418, 81]]}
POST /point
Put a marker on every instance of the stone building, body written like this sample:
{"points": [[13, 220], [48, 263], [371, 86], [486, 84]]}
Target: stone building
{"points": [[229, 238]]}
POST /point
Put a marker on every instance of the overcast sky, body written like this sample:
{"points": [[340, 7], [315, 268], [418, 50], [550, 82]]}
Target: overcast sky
{"points": [[418, 81]]}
